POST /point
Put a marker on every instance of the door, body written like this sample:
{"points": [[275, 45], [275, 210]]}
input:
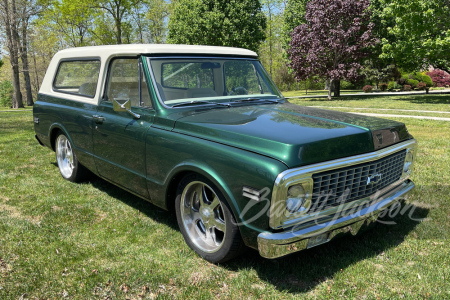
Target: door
{"points": [[119, 137]]}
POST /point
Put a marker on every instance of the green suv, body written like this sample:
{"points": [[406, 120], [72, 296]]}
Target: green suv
{"points": [[203, 131]]}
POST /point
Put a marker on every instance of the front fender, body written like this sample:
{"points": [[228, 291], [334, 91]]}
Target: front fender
{"points": [[206, 171], [170, 155]]}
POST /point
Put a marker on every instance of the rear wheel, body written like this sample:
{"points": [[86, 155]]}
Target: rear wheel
{"points": [[68, 164], [205, 220]]}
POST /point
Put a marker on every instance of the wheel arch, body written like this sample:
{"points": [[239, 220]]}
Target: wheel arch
{"points": [[178, 173], [53, 133]]}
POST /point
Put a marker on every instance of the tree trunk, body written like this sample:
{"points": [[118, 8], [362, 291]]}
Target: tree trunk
{"points": [[118, 25], [25, 64], [141, 38], [337, 88], [10, 17], [330, 88], [327, 84], [36, 72], [270, 41]]}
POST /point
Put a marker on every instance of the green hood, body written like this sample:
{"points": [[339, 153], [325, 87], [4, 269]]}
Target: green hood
{"points": [[292, 134]]}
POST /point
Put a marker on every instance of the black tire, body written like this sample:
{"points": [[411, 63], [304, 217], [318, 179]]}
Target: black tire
{"points": [[68, 164], [221, 246]]}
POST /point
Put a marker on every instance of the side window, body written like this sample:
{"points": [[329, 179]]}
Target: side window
{"points": [[123, 82], [77, 77]]}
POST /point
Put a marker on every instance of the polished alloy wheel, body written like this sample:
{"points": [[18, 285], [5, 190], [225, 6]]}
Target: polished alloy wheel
{"points": [[64, 156], [203, 216]]}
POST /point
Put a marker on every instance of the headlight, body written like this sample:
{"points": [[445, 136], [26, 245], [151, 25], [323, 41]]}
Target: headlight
{"points": [[408, 161], [297, 199]]}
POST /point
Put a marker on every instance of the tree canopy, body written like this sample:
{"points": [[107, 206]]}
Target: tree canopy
{"points": [[294, 15], [235, 23], [332, 41], [421, 31]]}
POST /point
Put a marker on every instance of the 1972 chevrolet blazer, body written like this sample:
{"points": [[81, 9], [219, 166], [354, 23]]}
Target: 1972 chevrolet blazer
{"points": [[205, 132]]}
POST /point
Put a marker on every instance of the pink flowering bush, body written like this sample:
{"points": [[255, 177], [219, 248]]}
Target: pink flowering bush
{"points": [[440, 78], [367, 88]]}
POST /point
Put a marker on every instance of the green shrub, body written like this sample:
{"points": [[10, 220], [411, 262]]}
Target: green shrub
{"points": [[421, 77], [367, 88], [392, 85], [383, 86], [412, 82], [347, 85], [416, 76], [403, 79], [6, 91], [427, 80]]}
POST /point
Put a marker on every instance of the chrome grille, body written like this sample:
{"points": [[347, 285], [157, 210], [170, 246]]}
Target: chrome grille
{"points": [[339, 186]]}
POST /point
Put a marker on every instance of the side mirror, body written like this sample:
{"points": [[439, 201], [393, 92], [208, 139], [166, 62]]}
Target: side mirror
{"points": [[121, 104], [124, 105]]}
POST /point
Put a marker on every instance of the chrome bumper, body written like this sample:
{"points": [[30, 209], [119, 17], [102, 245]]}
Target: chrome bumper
{"points": [[273, 245]]}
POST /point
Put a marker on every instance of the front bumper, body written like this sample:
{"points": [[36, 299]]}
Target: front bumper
{"points": [[273, 245]]}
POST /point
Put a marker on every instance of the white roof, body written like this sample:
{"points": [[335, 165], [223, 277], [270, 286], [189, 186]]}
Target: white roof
{"points": [[106, 53], [135, 49]]}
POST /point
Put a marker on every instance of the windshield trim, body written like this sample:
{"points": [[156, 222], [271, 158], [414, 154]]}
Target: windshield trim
{"points": [[154, 82]]}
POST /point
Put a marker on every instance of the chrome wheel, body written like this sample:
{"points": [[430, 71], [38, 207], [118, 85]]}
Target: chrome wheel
{"points": [[64, 156], [203, 216]]}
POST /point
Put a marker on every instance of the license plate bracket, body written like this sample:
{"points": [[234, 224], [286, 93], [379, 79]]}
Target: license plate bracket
{"points": [[317, 240]]}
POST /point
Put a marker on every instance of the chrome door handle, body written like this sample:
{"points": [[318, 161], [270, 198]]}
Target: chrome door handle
{"points": [[98, 119]]}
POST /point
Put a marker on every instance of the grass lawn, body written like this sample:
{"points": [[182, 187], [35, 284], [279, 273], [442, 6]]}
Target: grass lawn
{"points": [[62, 240], [316, 92], [377, 104]]}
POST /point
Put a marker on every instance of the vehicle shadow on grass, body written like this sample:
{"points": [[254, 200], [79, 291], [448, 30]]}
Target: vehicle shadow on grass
{"points": [[150, 210], [301, 272]]}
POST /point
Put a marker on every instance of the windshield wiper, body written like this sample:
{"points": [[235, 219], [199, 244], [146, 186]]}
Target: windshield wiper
{"points": [[256, 99], [200, 102]]}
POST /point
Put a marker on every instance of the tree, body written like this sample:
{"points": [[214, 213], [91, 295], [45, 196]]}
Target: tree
{"points": [[421, 31], [9, 17], [380, 74], [72, 20], [119, 10], [27, 9], [6, 90], [376, 68], [332, 42], [218, 22], [284, 78], [44, 43], [155, 20], [271, 50], [294, 15]]}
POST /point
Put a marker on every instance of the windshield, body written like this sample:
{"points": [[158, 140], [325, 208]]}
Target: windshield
{"points": [[181, 80]]}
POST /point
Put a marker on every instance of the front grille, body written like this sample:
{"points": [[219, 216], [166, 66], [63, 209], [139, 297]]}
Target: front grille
{"points": [[339, 186]]}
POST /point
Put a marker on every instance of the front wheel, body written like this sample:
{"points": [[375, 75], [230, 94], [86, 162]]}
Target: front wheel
{"points": [[68, 164], [205, 220]]}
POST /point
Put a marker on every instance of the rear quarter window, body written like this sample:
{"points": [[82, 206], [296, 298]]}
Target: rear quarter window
{"points": [[77, 77]]}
